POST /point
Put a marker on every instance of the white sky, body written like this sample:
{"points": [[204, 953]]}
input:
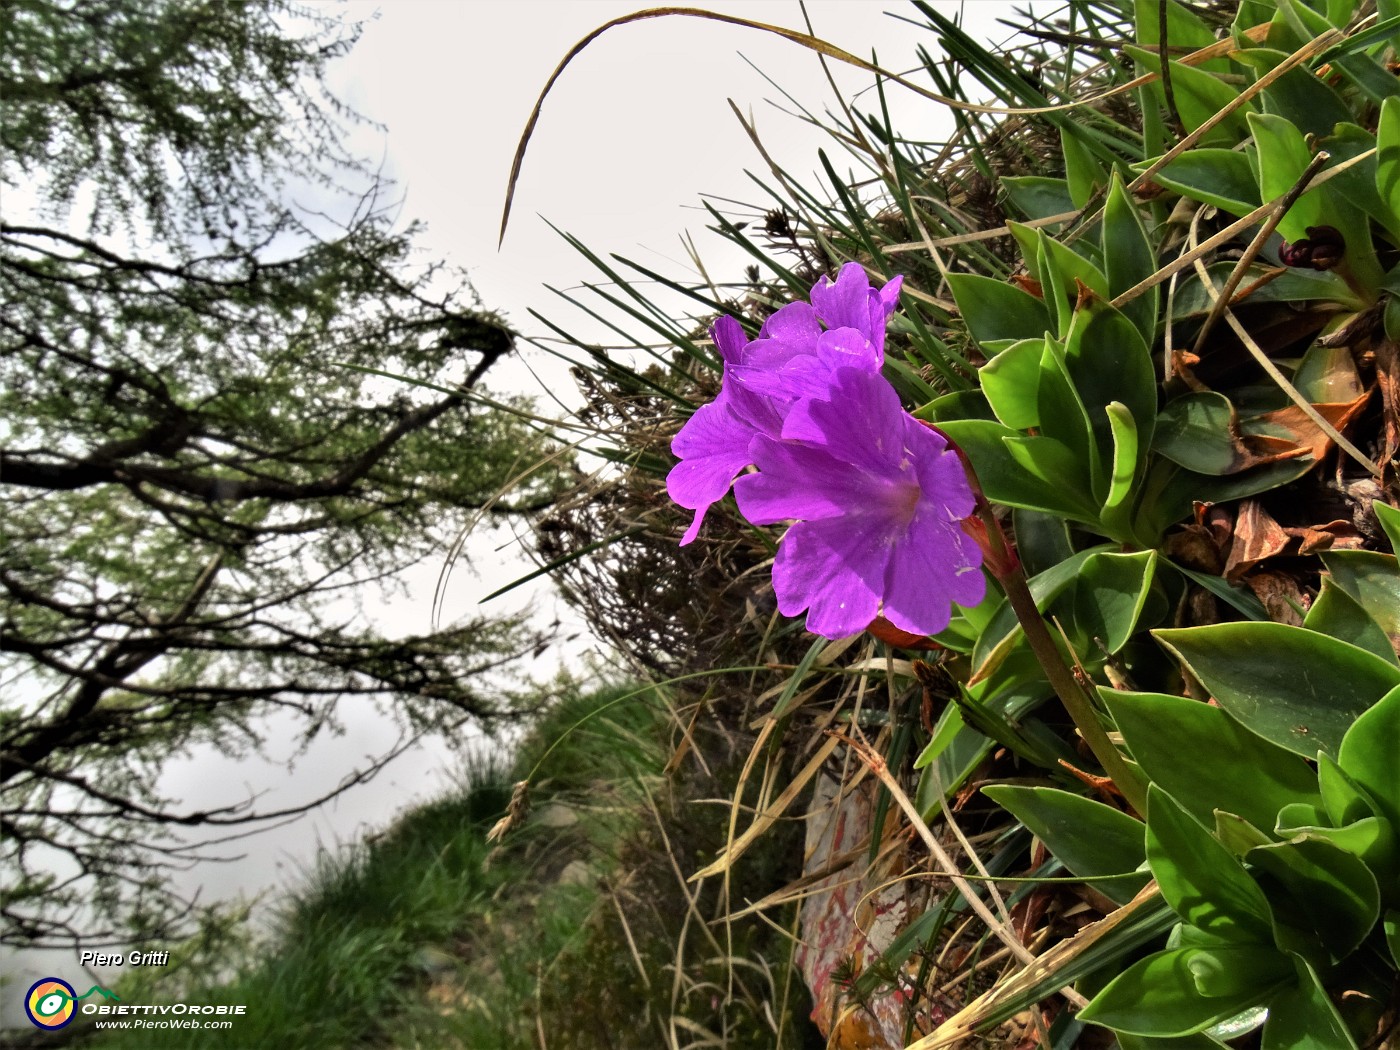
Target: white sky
{"points": [[634, 132]]}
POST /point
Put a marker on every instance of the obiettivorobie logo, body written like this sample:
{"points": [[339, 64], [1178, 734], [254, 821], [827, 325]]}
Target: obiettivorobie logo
{"points": [[51, 1003]]}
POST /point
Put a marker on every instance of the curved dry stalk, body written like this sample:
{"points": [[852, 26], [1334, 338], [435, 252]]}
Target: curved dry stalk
{"points": [[1205, 54]]}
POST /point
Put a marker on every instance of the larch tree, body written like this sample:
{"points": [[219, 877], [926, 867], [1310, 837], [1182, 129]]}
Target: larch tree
{"points": [[201, 460]]}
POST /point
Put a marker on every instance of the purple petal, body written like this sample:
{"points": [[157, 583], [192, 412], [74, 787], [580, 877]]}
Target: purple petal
{"points": [[931, 566], [713, 448], [849, 347], [844, 303], [942, 475], [794, 323], [800, 481], [861, 423], [729, 338], [834, 570], [756, 400]]}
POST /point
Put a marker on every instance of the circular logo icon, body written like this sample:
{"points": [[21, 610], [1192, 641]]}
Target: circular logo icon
{"points": [[49, 1003]]}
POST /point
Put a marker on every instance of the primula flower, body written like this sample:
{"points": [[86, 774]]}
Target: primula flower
{"points": [[792, 358], [878, 499]]}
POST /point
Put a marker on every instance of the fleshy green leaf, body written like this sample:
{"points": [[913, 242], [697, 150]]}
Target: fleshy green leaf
{"points": [[1338, 614], [1109, 595], [1109, 362], [1373, 579], [1294, 687], [993, 309], [1324, 900], [1037, 197], [1200, 431], [1087, 837], [1203, 882], [1083, 172], [1129, 258], [1206, 760], [1219, 177], [1343, 798], [1388, 155], [1125, 456], [1004, 477], [1011, 381], [1370, 755], [1304, 1018], [1387, 515], [1283, 154], [1299, 95], [1161, 996]]}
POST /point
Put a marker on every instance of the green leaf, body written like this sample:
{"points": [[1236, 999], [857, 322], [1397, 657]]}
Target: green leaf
{"points": [[1199, 97], [1373, 580], [993, 309], [1392, 934], [1161, 996], [1294, 687], [1283, 154], [1109, 595], [1005, 479], [1324, 900], [1206, 760], [950, 723], [1125, 457], [1087, 837], [1011, 381], [1042, 540], [1202, 881], [1180, 1042], [1299, 95], [1389, 519], [1083, 172], [1338, 614], [1238, 835], [1219, 177], [1109, 362], [1343, 799], [1388, 155], [1292, 286], [1303, 1017], [1063, 415], [1129, 258], [960, 404], [1370, 755], [1200, 431], [1370, 840], [1037, 197], [1358, 184], [1184, 27]]}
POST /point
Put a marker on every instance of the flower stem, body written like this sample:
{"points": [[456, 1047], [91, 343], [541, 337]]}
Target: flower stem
{"points": [[1074, 694]]}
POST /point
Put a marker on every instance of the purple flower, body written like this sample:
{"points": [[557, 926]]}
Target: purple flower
{"points": [[878, 498], [792, 359]]}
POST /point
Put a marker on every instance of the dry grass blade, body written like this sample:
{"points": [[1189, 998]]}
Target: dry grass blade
{"points": [[1003, 931], [766, 819], [964, 1023]]}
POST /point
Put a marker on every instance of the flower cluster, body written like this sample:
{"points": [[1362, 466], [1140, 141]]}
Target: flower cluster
{"points": [[876, 497]]}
